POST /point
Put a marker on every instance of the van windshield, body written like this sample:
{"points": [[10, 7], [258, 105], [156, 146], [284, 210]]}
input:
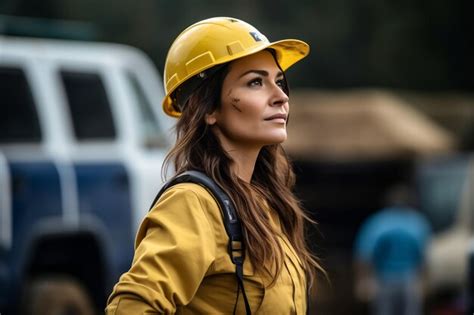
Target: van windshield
{"points": [[152, 133], [440, 187]]}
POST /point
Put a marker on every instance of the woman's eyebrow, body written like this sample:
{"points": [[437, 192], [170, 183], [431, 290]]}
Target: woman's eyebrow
{"points": [[260, 72]]}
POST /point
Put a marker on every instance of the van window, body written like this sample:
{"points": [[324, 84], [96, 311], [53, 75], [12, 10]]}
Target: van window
{"points": [[440, 186], [18, 118], [89, 105], [151, 132]]}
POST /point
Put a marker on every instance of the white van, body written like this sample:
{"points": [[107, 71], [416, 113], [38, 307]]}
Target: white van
{"points": [[82, 142], [446, 190]]}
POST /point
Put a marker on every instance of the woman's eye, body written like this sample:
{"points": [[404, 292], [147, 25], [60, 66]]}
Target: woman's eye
{"points": [[281, 83], [255, 82]]}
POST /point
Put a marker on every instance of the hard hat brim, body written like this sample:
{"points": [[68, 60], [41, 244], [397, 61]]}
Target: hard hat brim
{"points": [[288, 52]]}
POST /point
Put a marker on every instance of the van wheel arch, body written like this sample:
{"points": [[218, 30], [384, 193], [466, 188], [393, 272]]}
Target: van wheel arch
{"points": [[74, 260], [55, 295]]}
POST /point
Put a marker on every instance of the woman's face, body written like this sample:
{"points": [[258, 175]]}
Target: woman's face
{"points": [[254, 108]]}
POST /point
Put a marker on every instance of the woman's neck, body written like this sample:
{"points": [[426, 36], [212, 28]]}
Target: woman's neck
{"points": [[243, 159], [243, 163], [243, 155]]}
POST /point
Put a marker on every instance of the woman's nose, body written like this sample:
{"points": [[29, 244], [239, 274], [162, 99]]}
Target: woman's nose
{"points": [[279, 98]]}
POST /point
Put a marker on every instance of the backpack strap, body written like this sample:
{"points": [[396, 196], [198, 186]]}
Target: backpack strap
{"points": [[232, 224]]}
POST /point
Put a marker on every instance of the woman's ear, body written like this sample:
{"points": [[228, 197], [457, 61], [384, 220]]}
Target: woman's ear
{"points": [[211, 118]]}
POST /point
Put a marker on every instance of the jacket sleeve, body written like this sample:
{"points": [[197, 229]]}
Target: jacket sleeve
{"points": [[174, 249]]}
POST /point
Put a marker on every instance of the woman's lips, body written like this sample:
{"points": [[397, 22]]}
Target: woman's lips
{"points": [[277, 117]]}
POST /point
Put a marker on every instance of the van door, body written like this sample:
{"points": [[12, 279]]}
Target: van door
{"points": [[102, 178]]}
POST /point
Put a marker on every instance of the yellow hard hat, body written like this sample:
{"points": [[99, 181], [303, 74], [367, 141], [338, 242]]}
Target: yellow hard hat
{"points": [[216, 41]]}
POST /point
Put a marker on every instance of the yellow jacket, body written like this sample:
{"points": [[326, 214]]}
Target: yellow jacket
{"points": [[181, 265]]}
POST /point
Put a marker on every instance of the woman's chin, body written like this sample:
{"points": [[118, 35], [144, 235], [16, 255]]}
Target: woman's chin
{"points": [[277, 139]]}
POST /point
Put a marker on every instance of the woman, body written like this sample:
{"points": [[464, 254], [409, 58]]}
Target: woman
{"points": [[225, 82]]}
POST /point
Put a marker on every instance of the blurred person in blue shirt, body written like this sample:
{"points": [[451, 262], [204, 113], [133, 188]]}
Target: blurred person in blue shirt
{"points": [[389, 254]]}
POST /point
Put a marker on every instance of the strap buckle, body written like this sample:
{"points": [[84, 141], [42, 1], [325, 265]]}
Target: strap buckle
{"points": [[236, 252]]}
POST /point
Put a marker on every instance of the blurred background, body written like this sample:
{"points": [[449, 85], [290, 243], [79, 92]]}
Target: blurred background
{"points": [[385, 97]]}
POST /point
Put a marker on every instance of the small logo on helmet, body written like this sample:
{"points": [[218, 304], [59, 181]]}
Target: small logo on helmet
{"points": [[257, 36]]}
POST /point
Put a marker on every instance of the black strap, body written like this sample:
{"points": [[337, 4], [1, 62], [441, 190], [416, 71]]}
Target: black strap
{"points": [[231, 221], [240, 280]]}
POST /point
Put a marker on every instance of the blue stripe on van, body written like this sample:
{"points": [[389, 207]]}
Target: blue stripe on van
{"points": [[36, 194], [104, 192]]}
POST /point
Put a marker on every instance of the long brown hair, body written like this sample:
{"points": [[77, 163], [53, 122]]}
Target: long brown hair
{"points": [[197, 148]]}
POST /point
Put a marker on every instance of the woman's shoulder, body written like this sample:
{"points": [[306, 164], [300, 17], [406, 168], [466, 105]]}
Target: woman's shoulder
{"points": [[189, 198], [190, 202], [188, 191]]}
